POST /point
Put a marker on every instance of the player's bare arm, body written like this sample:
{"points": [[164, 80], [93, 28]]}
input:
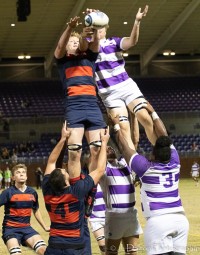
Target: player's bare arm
{"points": [[131, 41], [51, 164], [60, 50]]}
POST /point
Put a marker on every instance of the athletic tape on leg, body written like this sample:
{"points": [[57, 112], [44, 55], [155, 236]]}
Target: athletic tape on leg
{"points": [[140, 106], [15, 250], [96, 143], [38, 244], [123, 118], [74, 147], [99, 238]]}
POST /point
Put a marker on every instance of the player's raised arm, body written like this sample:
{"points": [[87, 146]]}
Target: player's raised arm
{"points": [[158, 124], [102, 159], [128, 42], [51, 164], [123, 144], [60, 50]]}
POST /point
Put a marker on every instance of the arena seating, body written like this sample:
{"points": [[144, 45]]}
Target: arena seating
{"points": [[45, 98], [172, 94], [44, 147], [31, 99], [182, 143]]}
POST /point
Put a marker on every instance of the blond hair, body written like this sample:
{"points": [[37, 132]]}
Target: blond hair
{"points": [[16, 167], [75, 34]]}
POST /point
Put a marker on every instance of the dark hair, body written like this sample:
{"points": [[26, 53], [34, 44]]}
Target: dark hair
{"points": [[161, 150], [57, 180]]}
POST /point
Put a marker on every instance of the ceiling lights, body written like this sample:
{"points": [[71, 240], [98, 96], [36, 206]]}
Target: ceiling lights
{"points": [[169, 53], [24, 57], [125, 54]]}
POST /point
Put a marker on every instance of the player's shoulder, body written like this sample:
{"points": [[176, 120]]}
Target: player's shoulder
{"points": [[31, 190], [9, 192], [5, 191]]}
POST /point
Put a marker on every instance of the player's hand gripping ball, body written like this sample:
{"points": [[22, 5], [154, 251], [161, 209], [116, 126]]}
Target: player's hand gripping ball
{"points": [[97, 20]]}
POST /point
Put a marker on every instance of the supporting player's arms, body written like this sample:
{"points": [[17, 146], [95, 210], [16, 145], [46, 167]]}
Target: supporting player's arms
{"points": [[51, 164]]}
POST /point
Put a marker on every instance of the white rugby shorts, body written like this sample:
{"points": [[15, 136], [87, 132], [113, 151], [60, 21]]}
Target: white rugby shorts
{"points": [[121, 96], [127, 225], [166, 233]]}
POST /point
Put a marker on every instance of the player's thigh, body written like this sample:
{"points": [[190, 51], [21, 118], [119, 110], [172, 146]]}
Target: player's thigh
{"points": [[93, 135], [75, 149], [120, 111], [99, 235], [13, 242], [195, 174], [112, 246], [180, 240], [123, 113], [33, 239], [76, 135]]}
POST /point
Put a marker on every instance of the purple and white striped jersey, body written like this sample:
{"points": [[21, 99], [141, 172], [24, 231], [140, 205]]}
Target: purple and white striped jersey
{"points": [[118, 189], [98, 212], [110, 73], [159, 191], [195, 167]]}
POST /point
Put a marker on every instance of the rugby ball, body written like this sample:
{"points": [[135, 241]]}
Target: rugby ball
{"points": [[96, 20]]}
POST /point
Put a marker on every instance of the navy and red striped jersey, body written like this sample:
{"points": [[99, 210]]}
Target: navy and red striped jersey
{"points": [[67, 211], [18, 206], [77, 75]]}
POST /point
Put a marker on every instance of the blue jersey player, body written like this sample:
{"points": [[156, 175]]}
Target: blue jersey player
{"points": [[65, 203], [82, 111], [19, 201]]}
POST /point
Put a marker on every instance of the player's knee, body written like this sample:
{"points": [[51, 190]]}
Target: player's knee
{"points": [[74, 152], [102, 248], [15, 251], [39, 246], [74, 147], [111, 249], [95, 144], [100, 239]]}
